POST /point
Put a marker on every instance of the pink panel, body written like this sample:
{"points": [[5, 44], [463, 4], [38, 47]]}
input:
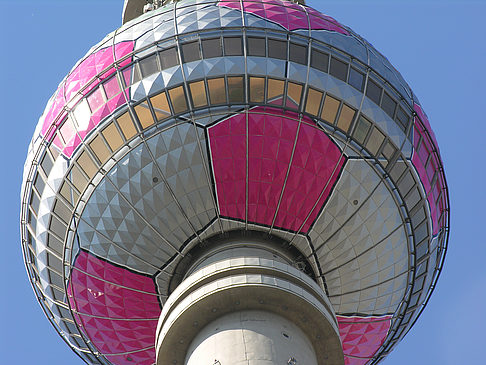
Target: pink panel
{"points": [[362, 337], [425, 120], [315, 167], [117, 309], [271, 139], [228, 150], [423, 147], [287, 14], [80, 77]]}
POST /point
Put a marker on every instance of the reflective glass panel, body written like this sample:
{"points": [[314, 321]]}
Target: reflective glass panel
{"points": [[69, 194], [361, 130], [113, 137], [87, 164], [330, 109], [160, 105], [236, 90], [375, 141], [144, 115], [389, 150], [100, 149], [313, 101], [257, 89], [275, 91], [345, 117], [78, 179], [294, 93], [198, 94], [217, 91], [63, 213], [178, 98], [126, 125]]}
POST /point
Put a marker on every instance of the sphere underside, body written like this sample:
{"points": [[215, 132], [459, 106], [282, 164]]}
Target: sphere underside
{"points": [[207, 118]]}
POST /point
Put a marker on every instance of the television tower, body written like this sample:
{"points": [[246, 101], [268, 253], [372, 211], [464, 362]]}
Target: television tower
{"points": [[233, 182]]}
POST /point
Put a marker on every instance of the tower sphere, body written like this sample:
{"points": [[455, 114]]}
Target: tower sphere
{"points": [[260, 147]]}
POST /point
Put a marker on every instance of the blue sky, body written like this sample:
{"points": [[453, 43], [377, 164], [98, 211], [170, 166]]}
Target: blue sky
{"points": [[438, 46]]}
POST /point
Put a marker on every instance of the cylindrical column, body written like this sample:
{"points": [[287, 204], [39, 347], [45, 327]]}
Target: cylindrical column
{"points": [[255, 337], [244, 304]]}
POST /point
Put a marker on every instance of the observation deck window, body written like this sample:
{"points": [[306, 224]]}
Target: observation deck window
{"points": [[277, 49], [356, 79], [339, 69], [211, 48], [217, 92], [233, 46], [373, 91], [330, 109], [160, 105], [190, 51], [319, 60], [149, 65], [256, 46], [388, 105], [257, 89], [345, 117], [198, 94], [169, 58], [126, 125], [298, 53]]}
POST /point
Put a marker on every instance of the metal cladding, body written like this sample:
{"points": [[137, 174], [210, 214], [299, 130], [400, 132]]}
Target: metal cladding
{"points": [[204, 117]]}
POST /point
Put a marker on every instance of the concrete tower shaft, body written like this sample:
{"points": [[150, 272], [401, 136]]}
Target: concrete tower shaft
{"points": [[243, 302]]}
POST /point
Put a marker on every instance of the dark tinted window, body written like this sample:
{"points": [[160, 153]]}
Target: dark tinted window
{"points": [[388, 105], [169, 58], [319, 60], [298, 53], [212, 48], [47, 164], [356, 79], [149, 66], [402, 119], [233, 46], [277, 49], [256, 46], [190, 52], [339, 69], [39, 184], [373, 91]]}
